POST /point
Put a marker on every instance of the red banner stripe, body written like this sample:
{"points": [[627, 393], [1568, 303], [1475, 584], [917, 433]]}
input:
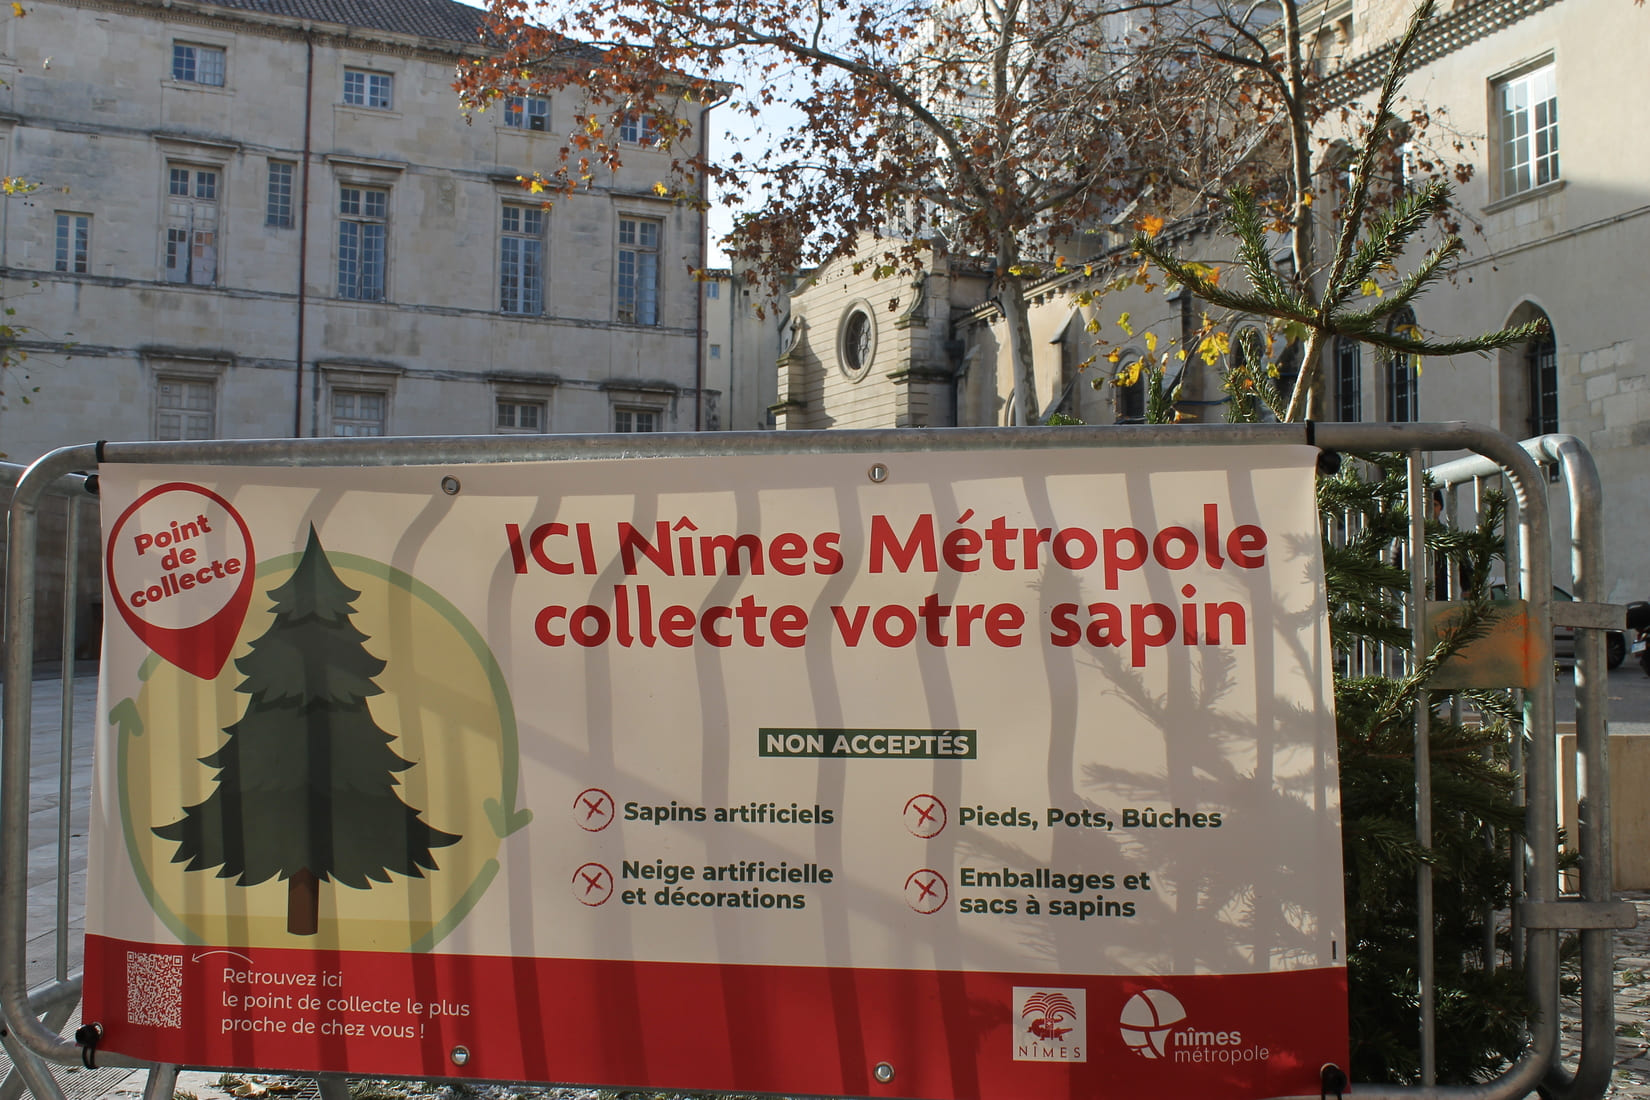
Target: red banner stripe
{"points": [[947, 1035]]}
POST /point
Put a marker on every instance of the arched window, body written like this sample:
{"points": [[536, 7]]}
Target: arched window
{"points": [[1541, 372], [1529, 379], [1349, 381], [1401, 383]]}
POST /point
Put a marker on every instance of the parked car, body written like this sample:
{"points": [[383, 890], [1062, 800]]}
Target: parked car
{"points": [[1564, 637]]}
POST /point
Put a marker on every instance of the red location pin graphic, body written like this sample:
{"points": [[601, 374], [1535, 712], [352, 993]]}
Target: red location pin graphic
{"points": [[180, 569]]}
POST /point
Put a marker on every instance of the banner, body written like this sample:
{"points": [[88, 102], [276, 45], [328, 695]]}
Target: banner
{"points": [[942, 775]]}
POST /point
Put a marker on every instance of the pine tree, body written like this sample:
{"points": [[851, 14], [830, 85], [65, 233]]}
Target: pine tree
{"points": [[306, 783], [1480, 1007]]}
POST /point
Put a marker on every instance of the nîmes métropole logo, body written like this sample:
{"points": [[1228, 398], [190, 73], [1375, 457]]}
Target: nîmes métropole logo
{"points": [[1155, 1026], [1050, 1025], [1147, 1020]]}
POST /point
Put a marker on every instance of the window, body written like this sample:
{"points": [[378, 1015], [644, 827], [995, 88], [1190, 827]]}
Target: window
{"points": [[638, 271], [364, 89], [1131, 399], [1541, 368], [359, 412], [1349, 367], [527, 112], [1401, 396], [520, 415], [635, 420], [858, 343], [191, 225], [197, 64], [1288, 372], [639, 130], [713, 291], [521, 260], [363, 214], [278, 208], [74, 243], [716, 351], [1526, 107], [185, 408]]}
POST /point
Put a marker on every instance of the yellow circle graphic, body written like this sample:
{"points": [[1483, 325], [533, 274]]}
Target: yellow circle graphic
{"points": [[443, 703]]}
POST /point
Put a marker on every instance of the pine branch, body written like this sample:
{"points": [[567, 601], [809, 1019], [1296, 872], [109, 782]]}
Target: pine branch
{"points": [[1215, 295], [1358, 200], [1388, 236], [1243, 217], [1490, 341], [1401, 296]]}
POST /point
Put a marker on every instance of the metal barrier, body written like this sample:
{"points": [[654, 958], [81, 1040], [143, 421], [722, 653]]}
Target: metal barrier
{"points": [[33, 1016], [1596, 913], [55, 998]]}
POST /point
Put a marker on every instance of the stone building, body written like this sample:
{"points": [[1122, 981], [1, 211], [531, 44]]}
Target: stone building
{"points": [[742, 327], [1553, 229], [264, 218]]}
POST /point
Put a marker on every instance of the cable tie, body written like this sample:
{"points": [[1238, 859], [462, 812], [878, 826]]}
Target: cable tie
{"points": [[87, 1035]]}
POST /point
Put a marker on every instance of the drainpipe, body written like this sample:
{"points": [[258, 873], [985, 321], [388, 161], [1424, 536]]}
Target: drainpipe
{"points": [[704, 263], [303, 237]]}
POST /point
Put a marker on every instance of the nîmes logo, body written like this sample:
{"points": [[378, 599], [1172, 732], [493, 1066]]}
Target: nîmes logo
{"points": [[1148, 1019], [1049, 1025]]}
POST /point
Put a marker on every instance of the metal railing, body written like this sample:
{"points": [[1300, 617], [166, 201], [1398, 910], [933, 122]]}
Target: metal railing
{"points": [[51, 1002], [33, 1016]]}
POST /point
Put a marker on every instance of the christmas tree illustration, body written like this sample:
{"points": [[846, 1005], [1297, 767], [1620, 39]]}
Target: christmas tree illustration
{"points": [[306, 784]]}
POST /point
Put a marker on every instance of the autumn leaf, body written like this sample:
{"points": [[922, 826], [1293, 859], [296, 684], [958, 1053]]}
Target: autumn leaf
{"points": [[1123, 323], [1306, 198], [1130, 374], [1151, 225], [1151, 342], [1115, 355], [1213, 346], [17, 9], [1371, 289], [1208, 274], [660, 189]]}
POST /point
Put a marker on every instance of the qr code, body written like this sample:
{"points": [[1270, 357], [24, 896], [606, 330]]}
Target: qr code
{"points": [[154, 989]]}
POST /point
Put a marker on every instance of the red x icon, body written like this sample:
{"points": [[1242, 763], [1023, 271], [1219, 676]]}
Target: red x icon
{"points": [[593, 809], [926, 891], [924, 815], [592, 884]]}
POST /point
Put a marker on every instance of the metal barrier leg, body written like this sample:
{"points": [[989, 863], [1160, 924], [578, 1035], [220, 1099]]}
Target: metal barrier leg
{"points": [[54, 1017], [162, 1083], [334, 1086], [31, 1069]]}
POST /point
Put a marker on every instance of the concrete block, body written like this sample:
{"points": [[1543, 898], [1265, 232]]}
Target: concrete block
{"points": [[1629, 807]]}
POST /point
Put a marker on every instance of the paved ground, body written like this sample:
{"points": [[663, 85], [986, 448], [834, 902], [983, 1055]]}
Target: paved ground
{"points": [[1629, 703], [1632, 1076]]}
